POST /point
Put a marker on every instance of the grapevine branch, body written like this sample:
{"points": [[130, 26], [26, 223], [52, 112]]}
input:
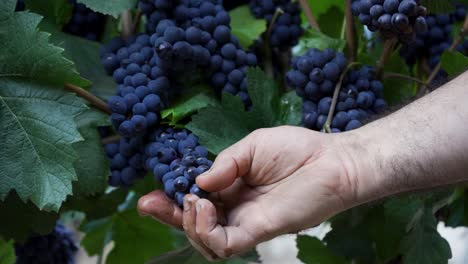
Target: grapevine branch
{"points": [[308, 12], [350, 32], [389, 44], [94, 100], [110, 139], [136, 21], [127, 24], [455, 43], [390, 75], [336, 94], [266, 46]]}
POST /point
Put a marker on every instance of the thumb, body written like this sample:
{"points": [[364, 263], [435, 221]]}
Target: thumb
{"points": [[230, 164]]}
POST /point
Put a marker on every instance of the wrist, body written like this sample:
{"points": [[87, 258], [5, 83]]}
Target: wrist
{"points": [[361, 156]]}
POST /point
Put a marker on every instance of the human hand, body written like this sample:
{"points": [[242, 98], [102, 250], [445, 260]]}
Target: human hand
{"points": [[274, 181]]}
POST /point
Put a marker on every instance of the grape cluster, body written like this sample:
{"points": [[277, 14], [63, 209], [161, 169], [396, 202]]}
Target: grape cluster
{"points": [[58, 247], [315, 76], [392, 18], [431, 45], [142, 89], [286, 29], [176, 159], [127, 161], [85, 22]]}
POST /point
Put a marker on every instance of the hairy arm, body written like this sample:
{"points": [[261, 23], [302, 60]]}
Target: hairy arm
{"points": [[424, 145]]}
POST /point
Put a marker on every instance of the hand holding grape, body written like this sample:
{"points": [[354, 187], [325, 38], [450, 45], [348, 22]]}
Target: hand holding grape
{"points": [[265, 185]]}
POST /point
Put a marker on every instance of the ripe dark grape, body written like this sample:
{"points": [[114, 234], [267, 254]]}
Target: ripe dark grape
{"points": [[85, 22], [58, 247], [392, 18], [287, 28], [127, 161], [176, 159], [430, 45], [315, 76]]}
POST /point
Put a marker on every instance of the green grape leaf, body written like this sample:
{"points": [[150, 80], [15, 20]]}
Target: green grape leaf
{"points": [[290, 109], [221, 126], [350, 236], [7, 252], [97, 206], [22, 219], [188, 255], [189, 103], [398, 90], [92, 166], [27, 54], [388, 225], [321, 7], [130, 233], [245, 26], [314, 39], [458, 211], [312, 250], [57, 12], [86, 56], [454, 63], [328, 22], [36, 150], [113, 8], [423, 244]]}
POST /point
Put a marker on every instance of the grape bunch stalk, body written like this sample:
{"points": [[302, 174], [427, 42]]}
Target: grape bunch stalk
{"points": [[315, 77], [57, 247], [392, 18]]}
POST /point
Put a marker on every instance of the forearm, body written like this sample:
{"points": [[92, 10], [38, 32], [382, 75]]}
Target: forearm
{"points": [[424, 145]]}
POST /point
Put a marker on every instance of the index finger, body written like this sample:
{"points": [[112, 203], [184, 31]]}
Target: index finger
{"points": [[157, 205]]}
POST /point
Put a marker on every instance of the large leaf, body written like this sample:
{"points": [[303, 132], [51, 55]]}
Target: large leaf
{"points": [[329, 24], [19, 219], [7, 252], [245, 26], [36, 150], [113, 8], [320, 7], [92, 166], [221, 126], [188, 104], [398, 90], [290, 109], [424, 245], [313, 251], [458, 210], [56, 11], [314, 39], [188, 255], [86, 56], [454, 63], [25, 52], [131, 234]]}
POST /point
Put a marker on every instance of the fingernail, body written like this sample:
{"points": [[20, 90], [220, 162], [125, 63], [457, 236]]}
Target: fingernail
{"points": [[199, 206], [188, 203]]}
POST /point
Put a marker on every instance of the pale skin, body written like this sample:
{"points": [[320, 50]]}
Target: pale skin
{"points": [[282, 180]]}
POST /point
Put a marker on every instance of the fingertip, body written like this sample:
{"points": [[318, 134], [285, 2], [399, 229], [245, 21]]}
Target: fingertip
{"points": [[221, 175], [157, 205]]}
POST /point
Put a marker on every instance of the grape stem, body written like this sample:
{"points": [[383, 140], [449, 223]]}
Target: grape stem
{"points": [[394, 75], [455, 43], [268, 63], [91, 98], [110, 139], [350, 32], [389, 44], [308, 13], [127, 24], [136, 21], [336, 94]]}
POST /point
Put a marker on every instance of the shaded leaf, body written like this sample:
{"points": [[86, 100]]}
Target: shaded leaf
{"points": [[57, 11], [245, 26], [113, 8], [314, 39], [454, 63], [313, 251], [7, 252]]}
